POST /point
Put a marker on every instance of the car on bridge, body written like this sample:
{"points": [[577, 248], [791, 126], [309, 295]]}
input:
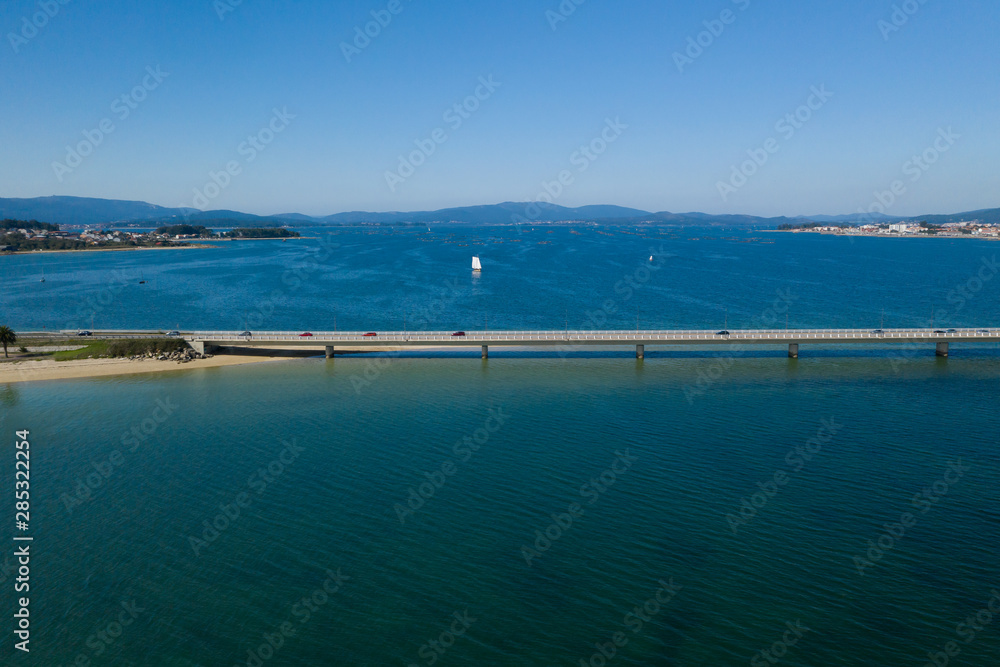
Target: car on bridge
{"points": [[173, 333], [982, 331], [245, 333], [305, 334], [458, 333], [939, 331], [878, 332], [85, 333], [952, 330], [724, 332], [370, 333]]}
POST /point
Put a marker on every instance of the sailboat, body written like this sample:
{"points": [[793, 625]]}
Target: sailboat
{"points": [[43, 276], [476, 266], [142, 279], [651, 258]]}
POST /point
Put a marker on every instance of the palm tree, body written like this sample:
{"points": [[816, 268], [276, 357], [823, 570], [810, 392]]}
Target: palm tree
{"points": [[7, 337]]}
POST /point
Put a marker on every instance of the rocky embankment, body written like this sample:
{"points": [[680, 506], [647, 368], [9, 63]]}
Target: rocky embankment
{"points": [[180, 356]]}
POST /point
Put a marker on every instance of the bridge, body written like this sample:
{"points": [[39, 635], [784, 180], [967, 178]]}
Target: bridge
{"points": [[330, 341]]}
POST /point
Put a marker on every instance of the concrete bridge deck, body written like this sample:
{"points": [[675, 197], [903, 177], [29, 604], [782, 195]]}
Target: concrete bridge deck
{"points": [[792, 338]]}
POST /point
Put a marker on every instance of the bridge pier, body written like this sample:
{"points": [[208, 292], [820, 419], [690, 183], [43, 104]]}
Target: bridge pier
{"points": [[640, 351], [329, 351], [942, 349], [793, 350], [201, 347], [486, 351]]}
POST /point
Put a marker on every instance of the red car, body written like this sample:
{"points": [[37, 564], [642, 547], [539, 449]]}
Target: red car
{"points": [[305, 335], [370, 333], [458, 333]]}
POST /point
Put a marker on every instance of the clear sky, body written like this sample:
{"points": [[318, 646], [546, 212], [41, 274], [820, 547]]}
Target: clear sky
{"points": [[678, 126]]}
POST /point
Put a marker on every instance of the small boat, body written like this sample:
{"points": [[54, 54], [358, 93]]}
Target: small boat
{"points": [[476, 266], [651, 258]]}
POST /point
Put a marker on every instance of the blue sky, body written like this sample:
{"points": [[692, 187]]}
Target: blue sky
{"points": [[557, 79]]}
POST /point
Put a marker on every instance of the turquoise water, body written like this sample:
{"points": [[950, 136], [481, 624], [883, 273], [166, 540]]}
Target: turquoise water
{"points": [[127, 470]]}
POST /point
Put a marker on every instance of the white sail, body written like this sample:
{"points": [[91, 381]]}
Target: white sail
{"points": [[476, 266]]}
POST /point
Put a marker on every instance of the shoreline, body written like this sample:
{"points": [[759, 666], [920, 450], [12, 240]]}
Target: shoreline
{"points": [[885, 236], [49, 369], [79, 369], [184, 246]]}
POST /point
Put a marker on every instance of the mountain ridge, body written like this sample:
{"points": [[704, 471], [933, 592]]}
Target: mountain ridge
{"points": [[76, 211]]}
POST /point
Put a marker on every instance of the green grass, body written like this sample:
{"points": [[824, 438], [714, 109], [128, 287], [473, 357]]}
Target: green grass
{"points": [[97, 348], [121, 348]]}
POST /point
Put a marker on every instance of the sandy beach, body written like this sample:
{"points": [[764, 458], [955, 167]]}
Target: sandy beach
{"points": [[49, 369]]}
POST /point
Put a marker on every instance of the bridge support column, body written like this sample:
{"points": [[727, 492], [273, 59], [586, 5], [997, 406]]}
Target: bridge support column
{"points": [[942, 349], [201, 347], [640, 351], [486, 351], [793, 350], [329, 351]]}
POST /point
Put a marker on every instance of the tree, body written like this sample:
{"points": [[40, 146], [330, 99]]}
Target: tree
{"points": [[7, 337]]}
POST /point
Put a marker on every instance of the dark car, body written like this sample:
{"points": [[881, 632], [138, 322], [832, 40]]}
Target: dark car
{"points": [[877, 331], [458, 333], [85, 333], [982, 331], [952, 330], [939, 331], [305, 334], [246, 333], [724, 332], [173, 333], [371, 333]]}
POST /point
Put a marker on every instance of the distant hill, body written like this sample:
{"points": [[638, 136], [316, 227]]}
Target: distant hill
{"points": [[81, 210], [91, 211], [853, 217], [986, 215], [503, 213]]}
